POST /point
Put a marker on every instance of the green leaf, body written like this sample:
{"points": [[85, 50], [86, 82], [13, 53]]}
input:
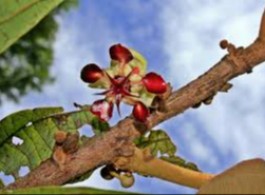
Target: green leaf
{"points": [[71, 121], [38, 136], [99, 126], [180, 162], [159, 142], [62, 190], [14, 122], [18, 17]]}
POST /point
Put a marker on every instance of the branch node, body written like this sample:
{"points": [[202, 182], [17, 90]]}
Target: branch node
{"points": [[126, 150], [235, 55], [208, 100], [65, 144], [226, 87], [197, 105]]}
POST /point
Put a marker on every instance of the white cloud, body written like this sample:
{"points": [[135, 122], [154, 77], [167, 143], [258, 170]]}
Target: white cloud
{"points": [[192, 31], [199, 150]]}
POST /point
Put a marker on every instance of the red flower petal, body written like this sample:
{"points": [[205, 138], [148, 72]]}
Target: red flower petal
{"points": [[154, 83], [136, 70], [91, 73], [120, 53], [103, 109], [140, 112]]}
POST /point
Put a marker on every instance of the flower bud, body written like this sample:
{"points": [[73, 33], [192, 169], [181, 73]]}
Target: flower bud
{"points": [[140, 112], [154, 83], [120, 53], [91, 73]]}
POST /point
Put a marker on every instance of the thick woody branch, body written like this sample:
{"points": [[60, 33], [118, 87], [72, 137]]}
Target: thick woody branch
{"points": [[104, 149]]}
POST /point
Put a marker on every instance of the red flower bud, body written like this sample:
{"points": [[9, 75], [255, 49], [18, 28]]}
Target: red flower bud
{"points": [[154, 83], [103, 109], [140, 112], [120, 53], [91, 73]]}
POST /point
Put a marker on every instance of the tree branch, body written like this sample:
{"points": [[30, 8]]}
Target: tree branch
{"points": [[104, 149]]}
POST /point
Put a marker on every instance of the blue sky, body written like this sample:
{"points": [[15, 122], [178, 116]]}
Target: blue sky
{"points": [[180, 41]]}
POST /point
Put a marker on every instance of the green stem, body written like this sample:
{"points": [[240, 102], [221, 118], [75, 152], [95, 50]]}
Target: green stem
{"points": [[155, 167]]}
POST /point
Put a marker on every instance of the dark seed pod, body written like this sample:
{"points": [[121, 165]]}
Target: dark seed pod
{"points": [[105, 173]]}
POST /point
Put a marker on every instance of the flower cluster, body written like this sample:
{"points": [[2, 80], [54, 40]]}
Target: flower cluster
{"points": [[124, 81]]}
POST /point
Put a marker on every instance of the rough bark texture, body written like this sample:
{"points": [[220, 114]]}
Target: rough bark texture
{"points": [[104, 149]]}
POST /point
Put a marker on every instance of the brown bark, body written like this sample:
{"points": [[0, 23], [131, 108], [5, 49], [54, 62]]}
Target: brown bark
{"points": [[104, 149]]}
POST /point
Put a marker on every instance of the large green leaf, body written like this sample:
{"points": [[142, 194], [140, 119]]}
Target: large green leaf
{"points": [[62, 190], [14, 122], [18, 17], [37, 136]]}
